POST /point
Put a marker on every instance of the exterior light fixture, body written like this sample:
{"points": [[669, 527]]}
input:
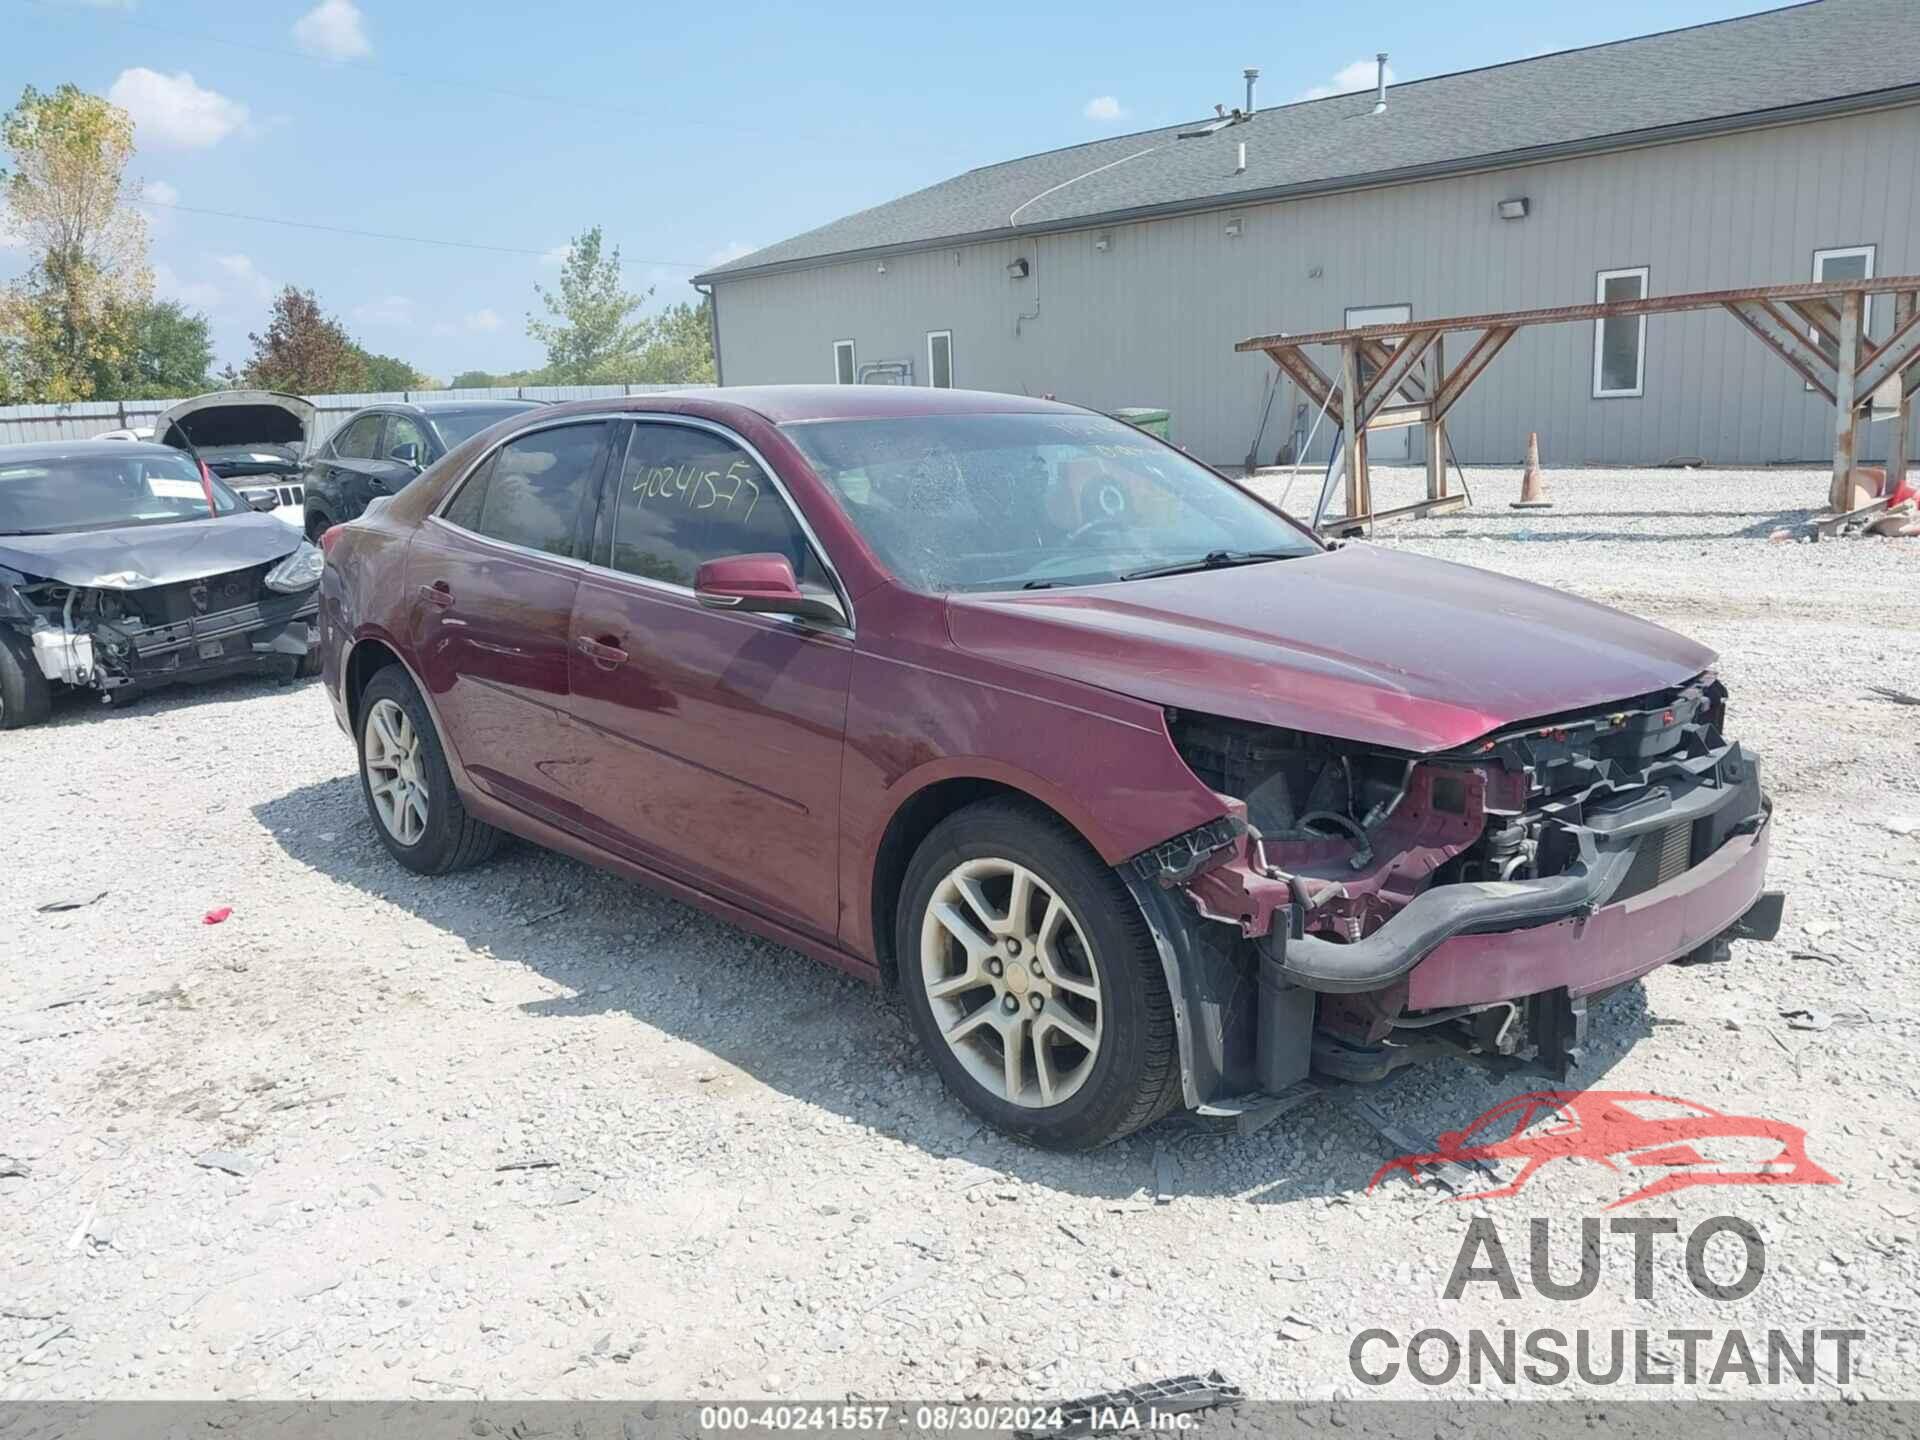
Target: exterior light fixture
{"points": [[1233, 228], [1018, 270], [1102, 243], [1515, 209]]}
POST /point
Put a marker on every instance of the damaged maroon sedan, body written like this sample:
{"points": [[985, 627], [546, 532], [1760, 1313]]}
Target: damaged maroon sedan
{"points": [[1139, 794]]}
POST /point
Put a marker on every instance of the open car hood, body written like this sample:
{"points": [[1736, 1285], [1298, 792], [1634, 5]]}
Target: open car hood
{"points": [[1360, 643], [237, 417], [134, 557]]}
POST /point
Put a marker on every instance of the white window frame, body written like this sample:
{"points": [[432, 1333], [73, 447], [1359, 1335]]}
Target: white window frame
{"points": [[932, 369], [853, 363], [1639, 388], [1843, 252]]}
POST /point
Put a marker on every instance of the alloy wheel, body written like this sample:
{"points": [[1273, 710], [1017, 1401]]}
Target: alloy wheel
{"points": [[1012, 982], [396, 772]]}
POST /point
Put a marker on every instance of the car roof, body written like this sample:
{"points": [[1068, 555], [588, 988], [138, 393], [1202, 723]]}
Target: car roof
{"points": [[32, 450], [507, 405], [795, 404]]}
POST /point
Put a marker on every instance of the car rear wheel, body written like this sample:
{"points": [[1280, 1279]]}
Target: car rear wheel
{"points": [[25, 696], [1032, 979], [407, 786]]}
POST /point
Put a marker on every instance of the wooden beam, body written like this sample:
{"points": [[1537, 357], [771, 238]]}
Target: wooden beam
{"points": [[1906, 307], [1389, 380], [1436, 428], [1352, 437], [1766, 329], [1476, 359], [1846, 424]]}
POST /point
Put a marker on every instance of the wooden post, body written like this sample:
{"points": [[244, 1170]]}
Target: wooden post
{"points": [[1352, 437], [1436, 427], [1846, 422], [1899, 431]]}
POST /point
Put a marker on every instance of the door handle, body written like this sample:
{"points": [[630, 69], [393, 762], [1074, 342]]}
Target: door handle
{"points": [[439, 593], [602, 653]]}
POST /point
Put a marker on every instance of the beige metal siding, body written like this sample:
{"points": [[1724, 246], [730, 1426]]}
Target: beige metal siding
{"points": [[1152, 319]]}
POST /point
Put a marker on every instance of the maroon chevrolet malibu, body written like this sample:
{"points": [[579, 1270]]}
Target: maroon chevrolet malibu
{"points": [[1138, 794]]}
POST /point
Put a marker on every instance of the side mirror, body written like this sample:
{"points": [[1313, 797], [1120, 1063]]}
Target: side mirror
{"points": [[264, 500], [407, 453], [763, 584]]}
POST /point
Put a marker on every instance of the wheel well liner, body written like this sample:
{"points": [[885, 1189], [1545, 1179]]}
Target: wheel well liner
{"points": [[368, 658]]}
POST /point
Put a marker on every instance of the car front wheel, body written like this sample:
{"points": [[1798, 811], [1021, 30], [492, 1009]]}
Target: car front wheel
{"points": [[407, 786], [1033, 981]]}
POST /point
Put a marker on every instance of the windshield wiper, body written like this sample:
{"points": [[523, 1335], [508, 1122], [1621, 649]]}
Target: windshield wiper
{"points": [[1212, 560]]}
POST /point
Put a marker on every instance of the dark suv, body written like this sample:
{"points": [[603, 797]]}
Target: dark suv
{"points": [[378, 451]]}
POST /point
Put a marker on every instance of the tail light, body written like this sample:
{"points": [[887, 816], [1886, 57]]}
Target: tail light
{"points": [[328, 536]]}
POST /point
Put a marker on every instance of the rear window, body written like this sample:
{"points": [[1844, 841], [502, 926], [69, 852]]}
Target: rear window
{"points": [[106, 491]]}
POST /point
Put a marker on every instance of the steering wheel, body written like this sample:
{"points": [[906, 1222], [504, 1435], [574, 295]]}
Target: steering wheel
{"points": [[1094, 524]]}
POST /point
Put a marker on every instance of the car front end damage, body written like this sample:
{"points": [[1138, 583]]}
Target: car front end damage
{"points": [[119, 636], [1359, 908]]}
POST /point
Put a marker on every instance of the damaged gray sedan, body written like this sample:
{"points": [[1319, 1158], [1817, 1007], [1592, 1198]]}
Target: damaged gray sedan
{"points": [[128, 566]]}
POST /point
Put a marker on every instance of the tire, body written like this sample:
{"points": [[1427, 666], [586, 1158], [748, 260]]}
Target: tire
{"points": [[307, 666], [25, 696], [446, 838], [1131, 1076]]}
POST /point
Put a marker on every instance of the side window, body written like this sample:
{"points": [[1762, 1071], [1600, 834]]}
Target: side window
{"points": [[405, 430], [1620, 341], [529, 491], [360, 439], [940, 359], [844, 372], [688, 496]]}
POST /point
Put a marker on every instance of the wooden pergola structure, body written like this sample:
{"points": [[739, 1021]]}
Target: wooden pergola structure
{"points": [[1398, 375]]}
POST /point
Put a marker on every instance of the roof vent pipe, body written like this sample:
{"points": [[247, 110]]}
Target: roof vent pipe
{"points": [[1380, 85], [1252, 74], [1240, 164]]}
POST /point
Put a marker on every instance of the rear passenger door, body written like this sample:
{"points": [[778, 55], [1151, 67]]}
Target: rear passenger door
{"points": [[346, 467], [715, 735], [490, 590]]}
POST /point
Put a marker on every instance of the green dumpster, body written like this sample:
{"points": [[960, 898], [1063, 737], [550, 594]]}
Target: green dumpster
{"points": [[1154, 422]]}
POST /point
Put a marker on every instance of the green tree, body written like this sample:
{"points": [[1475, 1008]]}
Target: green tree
{"points": [[65, 195], [168, 352], [305, 350], [593, 332], [384, 372], [680, 350], [472, 380]]}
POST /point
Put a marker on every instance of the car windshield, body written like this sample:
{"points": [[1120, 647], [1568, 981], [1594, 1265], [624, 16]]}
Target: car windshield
{"points": [[89, 492], [456, 427], [1005, 502]]}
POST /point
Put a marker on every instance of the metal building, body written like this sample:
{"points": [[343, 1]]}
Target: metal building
{"points": [[1777, 147]]}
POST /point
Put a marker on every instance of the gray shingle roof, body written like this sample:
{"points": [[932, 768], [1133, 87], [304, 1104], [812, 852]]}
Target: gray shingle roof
{"points": [[1829, 53]]}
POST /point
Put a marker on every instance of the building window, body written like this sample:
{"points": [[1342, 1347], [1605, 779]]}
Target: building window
{"points": [[1620, 341], [1847, 262], [940, 359], [843, 371]]}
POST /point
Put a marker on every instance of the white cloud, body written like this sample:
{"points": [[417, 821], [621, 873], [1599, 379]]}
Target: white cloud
{"points": [[732, 250], [387, 310], [160, 193], [246, 275], [481, 321], [557, 255], [172, 111], [1360, 75], [1103, 108], [169, 285], [333, 30]]}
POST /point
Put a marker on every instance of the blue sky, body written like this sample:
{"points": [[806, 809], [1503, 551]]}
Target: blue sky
{"points": [[691, 133]]}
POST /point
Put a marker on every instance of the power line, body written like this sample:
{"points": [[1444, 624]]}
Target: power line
{"points": [[414, 77], [386, 235]]}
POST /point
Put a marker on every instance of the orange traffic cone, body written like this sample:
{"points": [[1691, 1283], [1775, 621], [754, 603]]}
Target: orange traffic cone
{"points": [[1532, 489]]}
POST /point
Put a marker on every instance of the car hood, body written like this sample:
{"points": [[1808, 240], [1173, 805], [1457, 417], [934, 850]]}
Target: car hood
{"points": [[237, 417], [134, 557], [1361, 643]]}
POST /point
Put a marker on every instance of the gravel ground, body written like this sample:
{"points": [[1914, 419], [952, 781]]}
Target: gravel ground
{"points": [[274, 1157]]}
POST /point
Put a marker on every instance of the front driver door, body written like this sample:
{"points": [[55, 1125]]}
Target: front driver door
{"points": [[490, 588], [716, 736]]}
